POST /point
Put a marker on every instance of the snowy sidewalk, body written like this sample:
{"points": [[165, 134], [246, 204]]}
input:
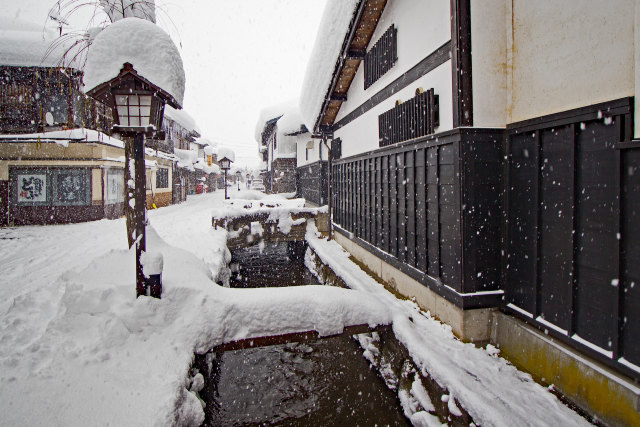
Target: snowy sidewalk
{"points": [[493, 392]]}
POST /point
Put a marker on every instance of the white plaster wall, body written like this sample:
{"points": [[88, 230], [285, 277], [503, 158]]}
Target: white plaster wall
{"points": [[314, 154], [569, 54], [361, 135], [286, 146], [489, 62], [423, 26]]}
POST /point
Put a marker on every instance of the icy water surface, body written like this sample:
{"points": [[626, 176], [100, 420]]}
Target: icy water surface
{"points": [[321, 383]]}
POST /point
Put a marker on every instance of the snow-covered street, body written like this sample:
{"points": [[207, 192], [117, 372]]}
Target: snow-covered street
{"points": [[77, 348]]}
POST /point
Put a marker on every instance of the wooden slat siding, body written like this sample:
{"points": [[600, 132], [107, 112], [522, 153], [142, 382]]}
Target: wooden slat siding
{"points": [[630, 256], [595, 187], [402, 207], [421, 210], [361, 199], [433, 212], [555, 226], [367, 200], [386, 206], [449, 226], [393, 205], [522, 237], [411, 208], [372, 201], [597, 226], [378, 205]]}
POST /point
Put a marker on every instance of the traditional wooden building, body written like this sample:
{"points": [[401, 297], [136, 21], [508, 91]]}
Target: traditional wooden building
{"points": [[278, 132], [489, 170]]}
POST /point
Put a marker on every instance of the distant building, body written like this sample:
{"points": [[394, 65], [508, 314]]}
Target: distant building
{"points": [[278, 132]]}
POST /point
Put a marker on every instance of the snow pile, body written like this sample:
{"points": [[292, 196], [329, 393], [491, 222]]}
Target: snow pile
{"points": [[82, 350], [226, 152], [143, 44], [186, 158], [182, 118], [324, 57]]}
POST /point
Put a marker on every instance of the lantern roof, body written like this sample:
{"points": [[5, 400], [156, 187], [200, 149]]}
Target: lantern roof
{"points": [[102, 92]]}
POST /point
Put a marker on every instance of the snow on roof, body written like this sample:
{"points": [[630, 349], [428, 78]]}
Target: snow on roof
{"points": [[186, 158], [143, 44], [286, 113], [66, 136], [226, 152], [183, 118], [326, 51], [25, 44]]}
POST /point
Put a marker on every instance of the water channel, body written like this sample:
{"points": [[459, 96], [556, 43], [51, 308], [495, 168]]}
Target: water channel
{"points": [[326, 382]]}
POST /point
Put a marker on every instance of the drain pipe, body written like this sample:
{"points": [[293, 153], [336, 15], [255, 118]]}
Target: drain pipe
{"points": [[329, 195]]}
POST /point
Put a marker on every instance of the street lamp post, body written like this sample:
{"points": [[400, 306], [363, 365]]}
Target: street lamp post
{"points": [[238, 177], [225, 164], [138, 109]]}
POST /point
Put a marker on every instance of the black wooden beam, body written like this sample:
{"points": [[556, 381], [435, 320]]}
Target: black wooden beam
{"points": [[461, 63], [355, 54], [338, 96]]}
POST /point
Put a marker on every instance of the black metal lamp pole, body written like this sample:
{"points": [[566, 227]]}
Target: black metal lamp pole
{"points": [[225, 184]]}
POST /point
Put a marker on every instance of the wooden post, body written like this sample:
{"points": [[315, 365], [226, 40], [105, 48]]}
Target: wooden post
{"points": [[329, 204], [140, 195]]}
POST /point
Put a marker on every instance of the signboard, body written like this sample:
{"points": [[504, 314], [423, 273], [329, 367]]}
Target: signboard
{"points": [[70, 188], [32, 187], [115, 186]]}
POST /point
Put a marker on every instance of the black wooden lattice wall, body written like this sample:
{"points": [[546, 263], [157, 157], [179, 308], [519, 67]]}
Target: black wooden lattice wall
{"points": [[407, 202], [381, 57], [573, 253], [312, 182], [412, 119]]}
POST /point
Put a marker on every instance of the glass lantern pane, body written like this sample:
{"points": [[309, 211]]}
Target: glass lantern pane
{"points": [[145, 111], [134, 111], [121, 100], [144, 121], [134, 121], [145, 100], [122, 113], [134, 100]]}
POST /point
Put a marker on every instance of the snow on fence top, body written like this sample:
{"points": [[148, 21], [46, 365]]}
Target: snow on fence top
{"points": [[181, 117], [143, 44], [326, 51], [26, 44]]}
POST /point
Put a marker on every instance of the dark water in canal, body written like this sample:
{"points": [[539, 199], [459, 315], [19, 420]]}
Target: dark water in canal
{"points": [[323, 383]]}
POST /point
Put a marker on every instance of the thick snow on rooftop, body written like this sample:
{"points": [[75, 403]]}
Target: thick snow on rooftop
{"points": [[181, 117], [26, 44], [226, 152], [143, 44], [66, 136], [326, 51], [287, 113]]}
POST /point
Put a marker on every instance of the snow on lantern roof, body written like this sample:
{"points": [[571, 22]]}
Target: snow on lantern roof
{"points": [[287, 114], [182, 118], [226, 152], [141, 43], [333, 29], [28, 45]]}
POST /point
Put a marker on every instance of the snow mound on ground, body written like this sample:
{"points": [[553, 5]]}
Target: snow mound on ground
{"points": [[326, 52], [143, 44]]}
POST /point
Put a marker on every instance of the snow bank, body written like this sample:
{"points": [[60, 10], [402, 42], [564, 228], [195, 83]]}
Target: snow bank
{"points": [[181, 117], [324, 56], [143, 44]]}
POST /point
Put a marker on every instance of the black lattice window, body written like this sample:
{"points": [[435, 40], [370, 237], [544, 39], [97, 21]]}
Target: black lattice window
{"points": [[381, 57], [162, 178], [412, 119]]}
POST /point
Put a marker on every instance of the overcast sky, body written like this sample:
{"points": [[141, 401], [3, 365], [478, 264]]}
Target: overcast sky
{"points": [[239, 57]]}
